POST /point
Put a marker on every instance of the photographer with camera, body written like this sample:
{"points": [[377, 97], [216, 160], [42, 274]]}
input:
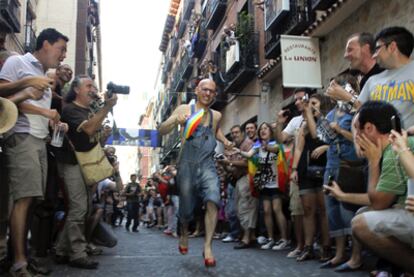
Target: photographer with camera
{"points": [[84, 134]]}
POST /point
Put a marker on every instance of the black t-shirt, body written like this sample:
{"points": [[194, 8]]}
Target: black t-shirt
{"points": [[375, 70], [74, 116]]}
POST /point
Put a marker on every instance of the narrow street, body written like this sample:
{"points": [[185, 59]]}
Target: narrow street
{"points": [[151, 253]]}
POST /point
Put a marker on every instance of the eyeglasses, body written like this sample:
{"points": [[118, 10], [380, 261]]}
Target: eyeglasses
{"points": [[211, 91], [378, 47]]}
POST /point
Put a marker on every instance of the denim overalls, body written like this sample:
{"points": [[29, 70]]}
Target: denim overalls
{"points": [[197, 176]]}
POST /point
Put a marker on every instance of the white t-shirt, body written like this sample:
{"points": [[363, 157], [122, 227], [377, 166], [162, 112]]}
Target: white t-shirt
{"points": [[16, 68], [293, 126], [271, 176]]}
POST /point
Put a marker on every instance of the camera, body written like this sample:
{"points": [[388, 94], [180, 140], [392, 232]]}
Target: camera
{"points": [[305, 98], [396, 123], [113, 88]]}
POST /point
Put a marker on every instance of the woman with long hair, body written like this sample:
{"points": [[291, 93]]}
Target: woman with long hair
{"points": [[265, 150]]}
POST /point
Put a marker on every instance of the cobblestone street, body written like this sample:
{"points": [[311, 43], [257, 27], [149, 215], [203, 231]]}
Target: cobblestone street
{"points": [[151, 253]]}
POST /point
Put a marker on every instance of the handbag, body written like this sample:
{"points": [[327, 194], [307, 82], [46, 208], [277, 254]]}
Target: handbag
{"points": [[352, 178], [94, 165], [315, 173]]}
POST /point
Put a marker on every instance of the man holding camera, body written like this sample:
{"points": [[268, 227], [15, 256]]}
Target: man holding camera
{"points": [[197, 173], [84, 132]]}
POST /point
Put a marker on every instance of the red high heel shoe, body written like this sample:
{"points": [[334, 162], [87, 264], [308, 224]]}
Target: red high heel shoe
{"points": [[183, 250], [209, 262]]}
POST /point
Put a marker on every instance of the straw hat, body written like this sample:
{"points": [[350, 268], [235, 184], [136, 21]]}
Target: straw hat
{"points": [[8, 115]]}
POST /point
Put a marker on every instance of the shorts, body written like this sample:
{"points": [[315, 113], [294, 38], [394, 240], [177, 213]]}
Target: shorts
{"points": [[27, 166], [295, 203], [307, 185], [270, 194], [394, 222]]}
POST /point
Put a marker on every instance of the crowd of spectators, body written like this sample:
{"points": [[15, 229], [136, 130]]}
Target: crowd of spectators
{"points": [[332, 171]]}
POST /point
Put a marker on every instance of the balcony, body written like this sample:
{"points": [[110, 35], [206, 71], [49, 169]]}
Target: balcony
{"points": [[241, 70], [174, 46], [188, 8], [214, 13], [274, 13], [167, 63], [10, 11], [29, 40], [164, 77], [182, 27], [170, 147], [199, 46], [300, 17], [177, 84], [321, 4]]}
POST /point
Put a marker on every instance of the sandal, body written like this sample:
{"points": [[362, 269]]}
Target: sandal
{"points": [[307, 254]]}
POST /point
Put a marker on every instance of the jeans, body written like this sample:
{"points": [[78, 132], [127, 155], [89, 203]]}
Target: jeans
{"points": [[231, 212], [132, 209]]}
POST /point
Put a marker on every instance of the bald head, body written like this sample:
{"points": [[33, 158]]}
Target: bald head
{"points": [[207, 81]]}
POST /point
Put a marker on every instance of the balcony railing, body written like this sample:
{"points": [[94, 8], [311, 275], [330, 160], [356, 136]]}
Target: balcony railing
{"points": [[170, 146], [214, 13], [322, 4], [187, 9], [10, 11], [177, 83], [164, 77], [174, 46], [295, 23], [243, 70], [29, 40], [182, 27], [199, 46]]}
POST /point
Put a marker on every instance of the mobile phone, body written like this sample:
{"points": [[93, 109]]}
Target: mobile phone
{"points": [[330, 180], [305, 98], [396, 123]]}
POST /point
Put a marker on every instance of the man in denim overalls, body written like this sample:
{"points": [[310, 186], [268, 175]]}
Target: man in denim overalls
{"points": [[197, 177]]}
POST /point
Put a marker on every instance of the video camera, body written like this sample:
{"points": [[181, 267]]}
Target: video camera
{"points": [[117, 89]]}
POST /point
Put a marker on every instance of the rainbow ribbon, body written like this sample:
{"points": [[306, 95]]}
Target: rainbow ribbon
{"points": [[192, 123]]}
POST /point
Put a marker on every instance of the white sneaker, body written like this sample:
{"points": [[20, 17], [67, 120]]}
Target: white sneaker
{"points": [[268, 245], [261, 240], [282, 244], [228, 238], [294, 253]]}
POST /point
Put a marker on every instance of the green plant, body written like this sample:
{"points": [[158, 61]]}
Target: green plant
{"points": [[244, 29]]}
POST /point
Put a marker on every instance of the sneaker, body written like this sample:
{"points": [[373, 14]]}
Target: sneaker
{"points": [[38, 267], [84, 263], [168, 232], [21, 272], [261, 240], [282, 244], [228, 238], [92, 250], [268, 245], [294, 253]]}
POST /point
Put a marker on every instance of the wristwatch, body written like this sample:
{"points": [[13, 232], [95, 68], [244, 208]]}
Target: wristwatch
{"points": [[353, 99]]}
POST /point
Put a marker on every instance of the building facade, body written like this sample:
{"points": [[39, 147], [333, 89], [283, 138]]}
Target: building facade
{"points": [[199, 41]]}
